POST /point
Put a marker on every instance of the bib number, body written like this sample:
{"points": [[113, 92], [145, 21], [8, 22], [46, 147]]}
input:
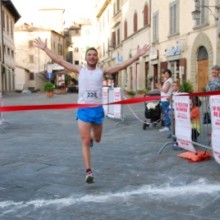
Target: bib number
{"points": [[91, 94]]}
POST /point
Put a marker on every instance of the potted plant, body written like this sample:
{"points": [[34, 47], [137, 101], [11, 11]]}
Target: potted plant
{"points": [[141, 91], [48, 88], [131, 93], [187, 86]]}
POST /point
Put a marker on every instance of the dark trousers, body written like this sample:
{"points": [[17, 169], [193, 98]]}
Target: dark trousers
{"points": [[195, 134]]}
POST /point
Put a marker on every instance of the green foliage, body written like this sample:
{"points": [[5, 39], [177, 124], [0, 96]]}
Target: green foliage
{"points": [[131, 93], [186, 86], [142, 91], [48, 87]]}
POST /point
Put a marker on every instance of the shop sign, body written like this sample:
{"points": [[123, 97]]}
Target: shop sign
{"points": [[153, 54], [174, 51]]}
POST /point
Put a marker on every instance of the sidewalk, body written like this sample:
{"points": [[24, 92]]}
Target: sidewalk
{"points": [[42, 174]]}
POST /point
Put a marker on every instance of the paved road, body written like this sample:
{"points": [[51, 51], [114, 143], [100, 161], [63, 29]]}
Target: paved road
{"points": [[42, 174]]}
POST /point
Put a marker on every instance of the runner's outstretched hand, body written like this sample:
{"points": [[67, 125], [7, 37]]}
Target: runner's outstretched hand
{"points": [[143, 50], [40, 44]]}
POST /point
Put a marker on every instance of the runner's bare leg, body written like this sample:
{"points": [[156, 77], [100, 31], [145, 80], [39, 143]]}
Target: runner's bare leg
{"points": [[97, 132], [85, 134]]}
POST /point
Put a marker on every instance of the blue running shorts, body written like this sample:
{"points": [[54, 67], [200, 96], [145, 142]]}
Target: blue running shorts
{"points": [[94, 115]]}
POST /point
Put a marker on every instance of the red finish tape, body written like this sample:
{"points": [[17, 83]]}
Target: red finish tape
{"points": [[75, 105]]}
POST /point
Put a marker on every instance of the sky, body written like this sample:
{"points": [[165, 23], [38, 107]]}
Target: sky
{"points": [[74, 9]]}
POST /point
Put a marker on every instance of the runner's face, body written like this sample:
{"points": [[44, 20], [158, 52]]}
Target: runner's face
{"points": [[91, 58]]}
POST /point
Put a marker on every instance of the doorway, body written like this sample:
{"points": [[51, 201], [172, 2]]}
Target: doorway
{"points": [[202, 66], [155, 71]]}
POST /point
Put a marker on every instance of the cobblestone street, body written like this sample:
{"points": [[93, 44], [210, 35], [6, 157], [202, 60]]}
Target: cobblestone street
{"points": [[42, 175]]}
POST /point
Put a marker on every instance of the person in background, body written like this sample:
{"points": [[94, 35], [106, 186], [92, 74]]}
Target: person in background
{"points": [[214, 81], [175, 90], [165, 92], [212, 85], [195, 103], [90, 82]]}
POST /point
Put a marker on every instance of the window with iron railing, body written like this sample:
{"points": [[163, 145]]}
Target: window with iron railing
{"points": [[204, 13]]}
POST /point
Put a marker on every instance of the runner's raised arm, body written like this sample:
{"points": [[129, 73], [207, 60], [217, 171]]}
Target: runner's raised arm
{"points": [[56, 58], [123, 65]]}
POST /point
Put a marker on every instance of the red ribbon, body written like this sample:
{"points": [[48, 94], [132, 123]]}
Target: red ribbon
{"points": [[75, 105]]}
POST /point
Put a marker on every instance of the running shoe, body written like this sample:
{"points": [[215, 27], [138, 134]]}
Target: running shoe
{"points": [[89, 177]]}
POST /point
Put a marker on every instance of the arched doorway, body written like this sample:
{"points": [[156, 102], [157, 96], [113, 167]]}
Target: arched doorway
{"points": [[203, 70]]}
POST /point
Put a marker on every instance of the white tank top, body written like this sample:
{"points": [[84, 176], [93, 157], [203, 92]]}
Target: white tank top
{"points": [[169, 92], [90, 86]]}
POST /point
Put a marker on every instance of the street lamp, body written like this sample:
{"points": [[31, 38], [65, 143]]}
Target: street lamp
{"points": [[196, 14]]}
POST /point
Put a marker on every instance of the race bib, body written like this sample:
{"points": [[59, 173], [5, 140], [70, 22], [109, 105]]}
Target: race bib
{"points": [[91, 95]]}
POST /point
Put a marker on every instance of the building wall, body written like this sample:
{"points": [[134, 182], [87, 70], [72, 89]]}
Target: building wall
{"points": [[30, 57], [7, 82], [178, 50]]}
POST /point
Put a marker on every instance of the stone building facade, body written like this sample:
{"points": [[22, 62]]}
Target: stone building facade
{"points": [[186, 46]]}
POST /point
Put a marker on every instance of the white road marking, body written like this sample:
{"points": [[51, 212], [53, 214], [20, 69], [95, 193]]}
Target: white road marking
{"points": [[196, 188]]}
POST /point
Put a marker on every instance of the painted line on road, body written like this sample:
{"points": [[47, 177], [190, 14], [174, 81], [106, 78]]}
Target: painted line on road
{"points": [[197, 188]]}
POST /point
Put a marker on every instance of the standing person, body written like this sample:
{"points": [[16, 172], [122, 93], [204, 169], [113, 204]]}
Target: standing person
{"points": [[214, 81], [213, 85], [175, 90], [165, 92], [90, 92]]}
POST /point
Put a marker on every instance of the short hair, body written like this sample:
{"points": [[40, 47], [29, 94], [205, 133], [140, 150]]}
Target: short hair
{"points": [[91, 48], [177, 82], [216, 67], [168, 71]]}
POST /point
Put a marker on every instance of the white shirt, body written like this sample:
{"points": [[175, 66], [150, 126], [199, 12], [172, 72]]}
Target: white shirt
{"points": [[90, 86], [169, 92]]}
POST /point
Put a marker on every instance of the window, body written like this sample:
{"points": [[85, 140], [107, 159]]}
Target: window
{"points": [[31, 76], [30, 43], [125, 29], [118, 36], [113, 39], [31, 58], [202, 54], [12, 30], [174, 17], [7, 22], [145, 15], [203, 20], [60, 49], [155, 27], [118, 5], [76, 62], [3, 20], [76, 49], [135, 21]]}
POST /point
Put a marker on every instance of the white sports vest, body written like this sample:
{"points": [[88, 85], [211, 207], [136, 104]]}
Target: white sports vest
{"points": [[90, 86]]}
